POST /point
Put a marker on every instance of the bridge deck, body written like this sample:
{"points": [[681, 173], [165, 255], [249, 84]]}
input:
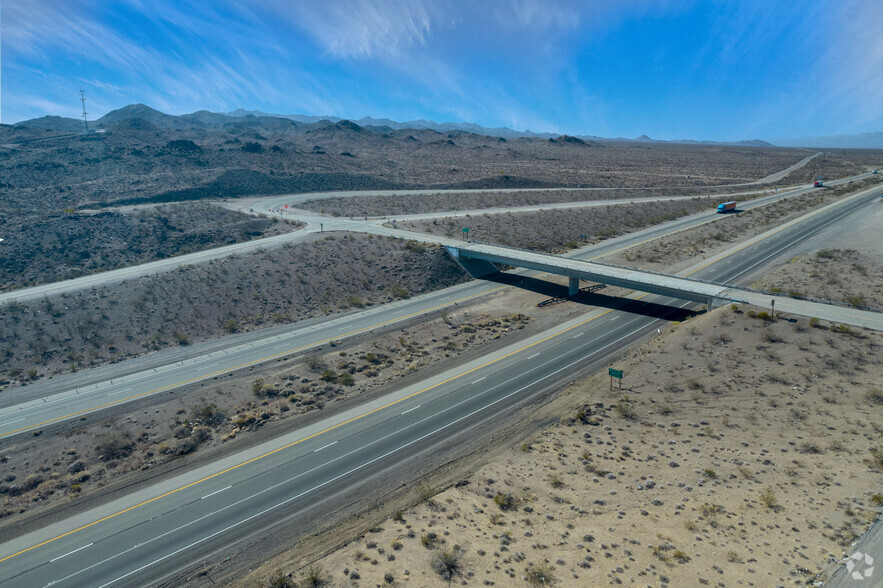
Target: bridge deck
{"points": [[478, 259]]}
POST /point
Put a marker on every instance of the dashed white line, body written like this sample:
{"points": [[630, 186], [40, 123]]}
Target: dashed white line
{"points": [[207, 367], [479, 380], [120, 391], [410, 409], [215, 492], [534, 355], [10, 422], [324, 447], [71, 552]]}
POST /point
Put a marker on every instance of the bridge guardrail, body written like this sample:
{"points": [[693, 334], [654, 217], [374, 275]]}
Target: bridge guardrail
{"points": [[712, 282]]}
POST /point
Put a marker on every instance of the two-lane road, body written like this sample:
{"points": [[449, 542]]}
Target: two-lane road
{"points": [[53, 401], [148, 536]]}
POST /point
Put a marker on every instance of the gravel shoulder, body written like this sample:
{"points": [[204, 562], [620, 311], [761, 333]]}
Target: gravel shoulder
{"points": [[317, 277], [697, 471], [43, 247], [739, 451]]}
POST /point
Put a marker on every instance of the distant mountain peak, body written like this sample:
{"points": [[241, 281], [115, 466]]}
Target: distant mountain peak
{"points": [[140, 111], [873, 140], [241, 119]]}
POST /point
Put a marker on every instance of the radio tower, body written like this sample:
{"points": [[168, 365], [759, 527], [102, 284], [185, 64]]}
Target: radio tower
{"points": [[83, 100]]}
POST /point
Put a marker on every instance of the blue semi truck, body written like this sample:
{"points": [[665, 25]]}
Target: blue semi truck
{"points": [[726, 207]]}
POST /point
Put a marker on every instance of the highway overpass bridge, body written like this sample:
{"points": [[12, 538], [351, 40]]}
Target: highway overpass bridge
{"points": [[479, 260]]}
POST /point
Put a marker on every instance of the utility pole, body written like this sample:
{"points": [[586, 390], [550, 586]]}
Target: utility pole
{"points": [[83, 100]]}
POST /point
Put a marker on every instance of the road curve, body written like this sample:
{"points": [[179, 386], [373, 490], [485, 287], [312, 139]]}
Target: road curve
{"points": [[314, 224], [51, 402], [148, 535]]}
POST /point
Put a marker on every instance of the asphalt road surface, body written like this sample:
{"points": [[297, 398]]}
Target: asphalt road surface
{"points": [[50, 402], [147, 536], [313, 225], [54, 401]]}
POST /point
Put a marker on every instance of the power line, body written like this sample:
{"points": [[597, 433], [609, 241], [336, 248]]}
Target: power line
{"points": [[83, 100]]}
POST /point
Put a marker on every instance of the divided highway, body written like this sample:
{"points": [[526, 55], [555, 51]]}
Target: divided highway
{"points": [[315, 223], [147, 536], [50, 402]]}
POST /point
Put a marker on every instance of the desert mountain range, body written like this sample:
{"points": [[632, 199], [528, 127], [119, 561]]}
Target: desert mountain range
{"points": [[206, 119]]}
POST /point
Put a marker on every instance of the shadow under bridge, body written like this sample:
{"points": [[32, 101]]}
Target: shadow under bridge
{"points": [[479, 260]]}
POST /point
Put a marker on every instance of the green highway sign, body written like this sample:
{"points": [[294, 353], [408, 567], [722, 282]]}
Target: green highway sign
{"points": [[614, 373], [465, 229]]}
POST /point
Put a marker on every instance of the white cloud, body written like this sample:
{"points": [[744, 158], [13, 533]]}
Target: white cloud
{"points": [[36, 28], [540, 16], [212, 55], [853, 65], [103, 86], [367, 28]]}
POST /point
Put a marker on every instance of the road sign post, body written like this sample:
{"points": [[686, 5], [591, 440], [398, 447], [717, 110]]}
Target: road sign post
{"points": [[615, 374], [465, 233]]}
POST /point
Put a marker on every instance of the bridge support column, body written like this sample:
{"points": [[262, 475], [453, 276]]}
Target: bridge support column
{"points": [[713, 301], [477, 268], [573, 287]]}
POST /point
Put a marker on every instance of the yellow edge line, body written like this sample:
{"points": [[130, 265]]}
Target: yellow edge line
{"points": [[292, 444], [269, 453], [240, 366]]}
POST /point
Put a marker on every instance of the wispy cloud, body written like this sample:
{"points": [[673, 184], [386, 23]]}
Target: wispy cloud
{"points": [[539, 16], [104, 86], [368, 28], [853, 65], [576, 66], [38, 29], [402, 37], [177, 57]]}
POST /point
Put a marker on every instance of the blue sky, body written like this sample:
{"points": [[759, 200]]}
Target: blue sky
{"points": [[721, 70]]}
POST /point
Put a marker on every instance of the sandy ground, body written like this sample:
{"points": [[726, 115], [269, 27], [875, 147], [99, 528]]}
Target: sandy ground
{"points": [[739, 452], [859, 287], [799, 408], [35, 476], [677, 251]]}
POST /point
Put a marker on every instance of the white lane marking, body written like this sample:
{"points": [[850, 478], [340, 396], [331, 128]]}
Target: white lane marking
{"points": [[410, 409], [577, 335], [614, 318], [71, 552], [324, 447], [534, 355], [10, 422], [480, 379], [233, 505], [120, 391], [334, 479], [207, 367], [216, 492]]}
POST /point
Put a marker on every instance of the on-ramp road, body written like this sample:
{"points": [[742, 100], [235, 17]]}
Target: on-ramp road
{"points": [[148, 535], [50, 402]]}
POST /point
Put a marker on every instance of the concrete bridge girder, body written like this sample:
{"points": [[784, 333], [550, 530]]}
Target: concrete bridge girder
{"points": [[576, 275], [477, 268]]}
